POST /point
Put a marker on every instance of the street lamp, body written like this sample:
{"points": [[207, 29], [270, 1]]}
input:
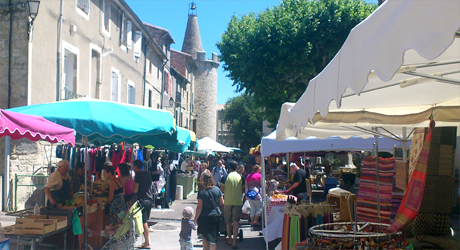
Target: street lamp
{"points": [[171, 102], [32, 7]]}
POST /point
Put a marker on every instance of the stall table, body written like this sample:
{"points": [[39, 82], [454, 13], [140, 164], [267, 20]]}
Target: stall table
{"points": [[34, 240]]}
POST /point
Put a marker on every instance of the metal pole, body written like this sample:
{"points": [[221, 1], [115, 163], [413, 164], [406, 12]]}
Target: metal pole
{"points": [[404, 145], [264, 198], [376, 129], [6, 174], [58, 54]]}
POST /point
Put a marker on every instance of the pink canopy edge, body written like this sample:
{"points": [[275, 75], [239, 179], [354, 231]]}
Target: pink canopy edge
{"points": [[34, 128]]}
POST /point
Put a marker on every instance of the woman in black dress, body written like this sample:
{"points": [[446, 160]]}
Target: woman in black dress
{"points": [[206, 216]]}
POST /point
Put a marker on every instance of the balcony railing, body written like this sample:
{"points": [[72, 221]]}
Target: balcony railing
{"points": [[68, 95]]}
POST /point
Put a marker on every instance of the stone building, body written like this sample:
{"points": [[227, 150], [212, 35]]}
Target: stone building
{"points": [[205, 84], [75, 48], [224, 135]]}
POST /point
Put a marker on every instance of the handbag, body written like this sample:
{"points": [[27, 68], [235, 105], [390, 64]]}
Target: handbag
{"points": [[219, 212]]}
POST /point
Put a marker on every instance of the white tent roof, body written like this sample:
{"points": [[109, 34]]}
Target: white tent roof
{"points": [[291, 145], [416, 34], [208, 144]]}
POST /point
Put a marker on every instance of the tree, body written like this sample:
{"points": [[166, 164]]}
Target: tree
{"points": [[274, 54], [244, 120]]}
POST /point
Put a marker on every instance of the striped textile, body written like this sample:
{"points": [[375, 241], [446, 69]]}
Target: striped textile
{"points": [[367, 196], [285, 234], [396, 198]]}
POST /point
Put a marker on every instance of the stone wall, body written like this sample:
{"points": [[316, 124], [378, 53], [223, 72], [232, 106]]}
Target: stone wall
{"points": [[206, 98], [19, 52], [19, 70]]}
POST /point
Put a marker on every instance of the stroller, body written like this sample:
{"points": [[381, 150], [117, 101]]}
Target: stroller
{"points": [[125, 233]]}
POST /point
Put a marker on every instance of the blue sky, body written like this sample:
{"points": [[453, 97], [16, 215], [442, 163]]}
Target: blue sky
{"points": [[213, 17]]}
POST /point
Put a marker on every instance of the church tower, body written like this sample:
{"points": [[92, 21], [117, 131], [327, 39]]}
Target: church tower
{"points": [[205, 84]]}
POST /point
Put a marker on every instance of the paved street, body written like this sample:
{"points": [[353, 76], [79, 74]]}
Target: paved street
{"points": [[165, 227]]}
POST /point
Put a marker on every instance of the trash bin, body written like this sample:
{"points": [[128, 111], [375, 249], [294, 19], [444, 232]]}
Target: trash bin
{"points": [[179, 192]]}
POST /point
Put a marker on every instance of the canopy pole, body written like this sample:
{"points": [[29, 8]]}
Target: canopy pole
{"points": [[404, 143], [264, 198], [377, 165], [85, 242], [6, 175]]}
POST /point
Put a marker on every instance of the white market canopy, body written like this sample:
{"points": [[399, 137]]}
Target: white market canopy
{"points": [[270, 145], [396, 68], [208, 144]]}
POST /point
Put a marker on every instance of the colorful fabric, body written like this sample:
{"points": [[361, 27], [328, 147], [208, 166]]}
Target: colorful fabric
{"points": [[285, 234], [367, 196], [411, 202], [294, 231]]}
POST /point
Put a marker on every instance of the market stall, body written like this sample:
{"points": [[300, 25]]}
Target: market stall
{"points": [[91, 121], [16, 126], [395, 96]]}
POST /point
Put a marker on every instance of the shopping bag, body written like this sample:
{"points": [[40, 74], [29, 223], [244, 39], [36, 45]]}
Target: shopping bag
{"points": [[246, 207], [76, 226]]}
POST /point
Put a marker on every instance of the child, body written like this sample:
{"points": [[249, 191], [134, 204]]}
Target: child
{"points": [[186, 229]]}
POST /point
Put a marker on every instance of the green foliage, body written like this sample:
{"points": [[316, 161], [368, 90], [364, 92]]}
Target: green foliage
{"points": [[244, 120], [273, 54]]}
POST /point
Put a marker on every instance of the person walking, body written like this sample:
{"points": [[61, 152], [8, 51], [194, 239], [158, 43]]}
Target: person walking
{"points": [[143, 187], [185, 235], [254, 183], [207, 214], [219, 172], [233, 191]]}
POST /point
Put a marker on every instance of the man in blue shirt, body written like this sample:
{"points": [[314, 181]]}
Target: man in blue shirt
{"points": [[219, 172]]}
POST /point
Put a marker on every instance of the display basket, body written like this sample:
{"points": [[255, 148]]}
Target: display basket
{"points": [[367, 230], [339, 236]]}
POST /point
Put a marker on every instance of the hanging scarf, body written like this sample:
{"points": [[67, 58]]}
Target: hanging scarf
{"points": [[410, 204]]}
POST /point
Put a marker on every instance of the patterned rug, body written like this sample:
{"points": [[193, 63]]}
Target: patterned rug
{"points": [[367, 196]]}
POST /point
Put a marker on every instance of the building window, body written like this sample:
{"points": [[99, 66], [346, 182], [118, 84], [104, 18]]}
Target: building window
{"points": [[137, 44], [131, 93], [116, 85], [123, 30], [129, 34], [83, 8], [95, 70], [150, 98], [70, 71], [106, 16], [70, 75]]}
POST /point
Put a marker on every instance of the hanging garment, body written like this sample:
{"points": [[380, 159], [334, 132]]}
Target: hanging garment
{"points": [[285, 235], [140, 155], [115, 159], [294, 231], [413, 197], [433, 217]]}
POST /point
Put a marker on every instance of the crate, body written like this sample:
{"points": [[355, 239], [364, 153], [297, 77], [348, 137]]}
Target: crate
{"points": [[39, 226]]}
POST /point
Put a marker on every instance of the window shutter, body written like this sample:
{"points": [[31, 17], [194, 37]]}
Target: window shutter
{"points": [[129, 34], [83, 5], [138, 43], [131, 94], [122, 30]]}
